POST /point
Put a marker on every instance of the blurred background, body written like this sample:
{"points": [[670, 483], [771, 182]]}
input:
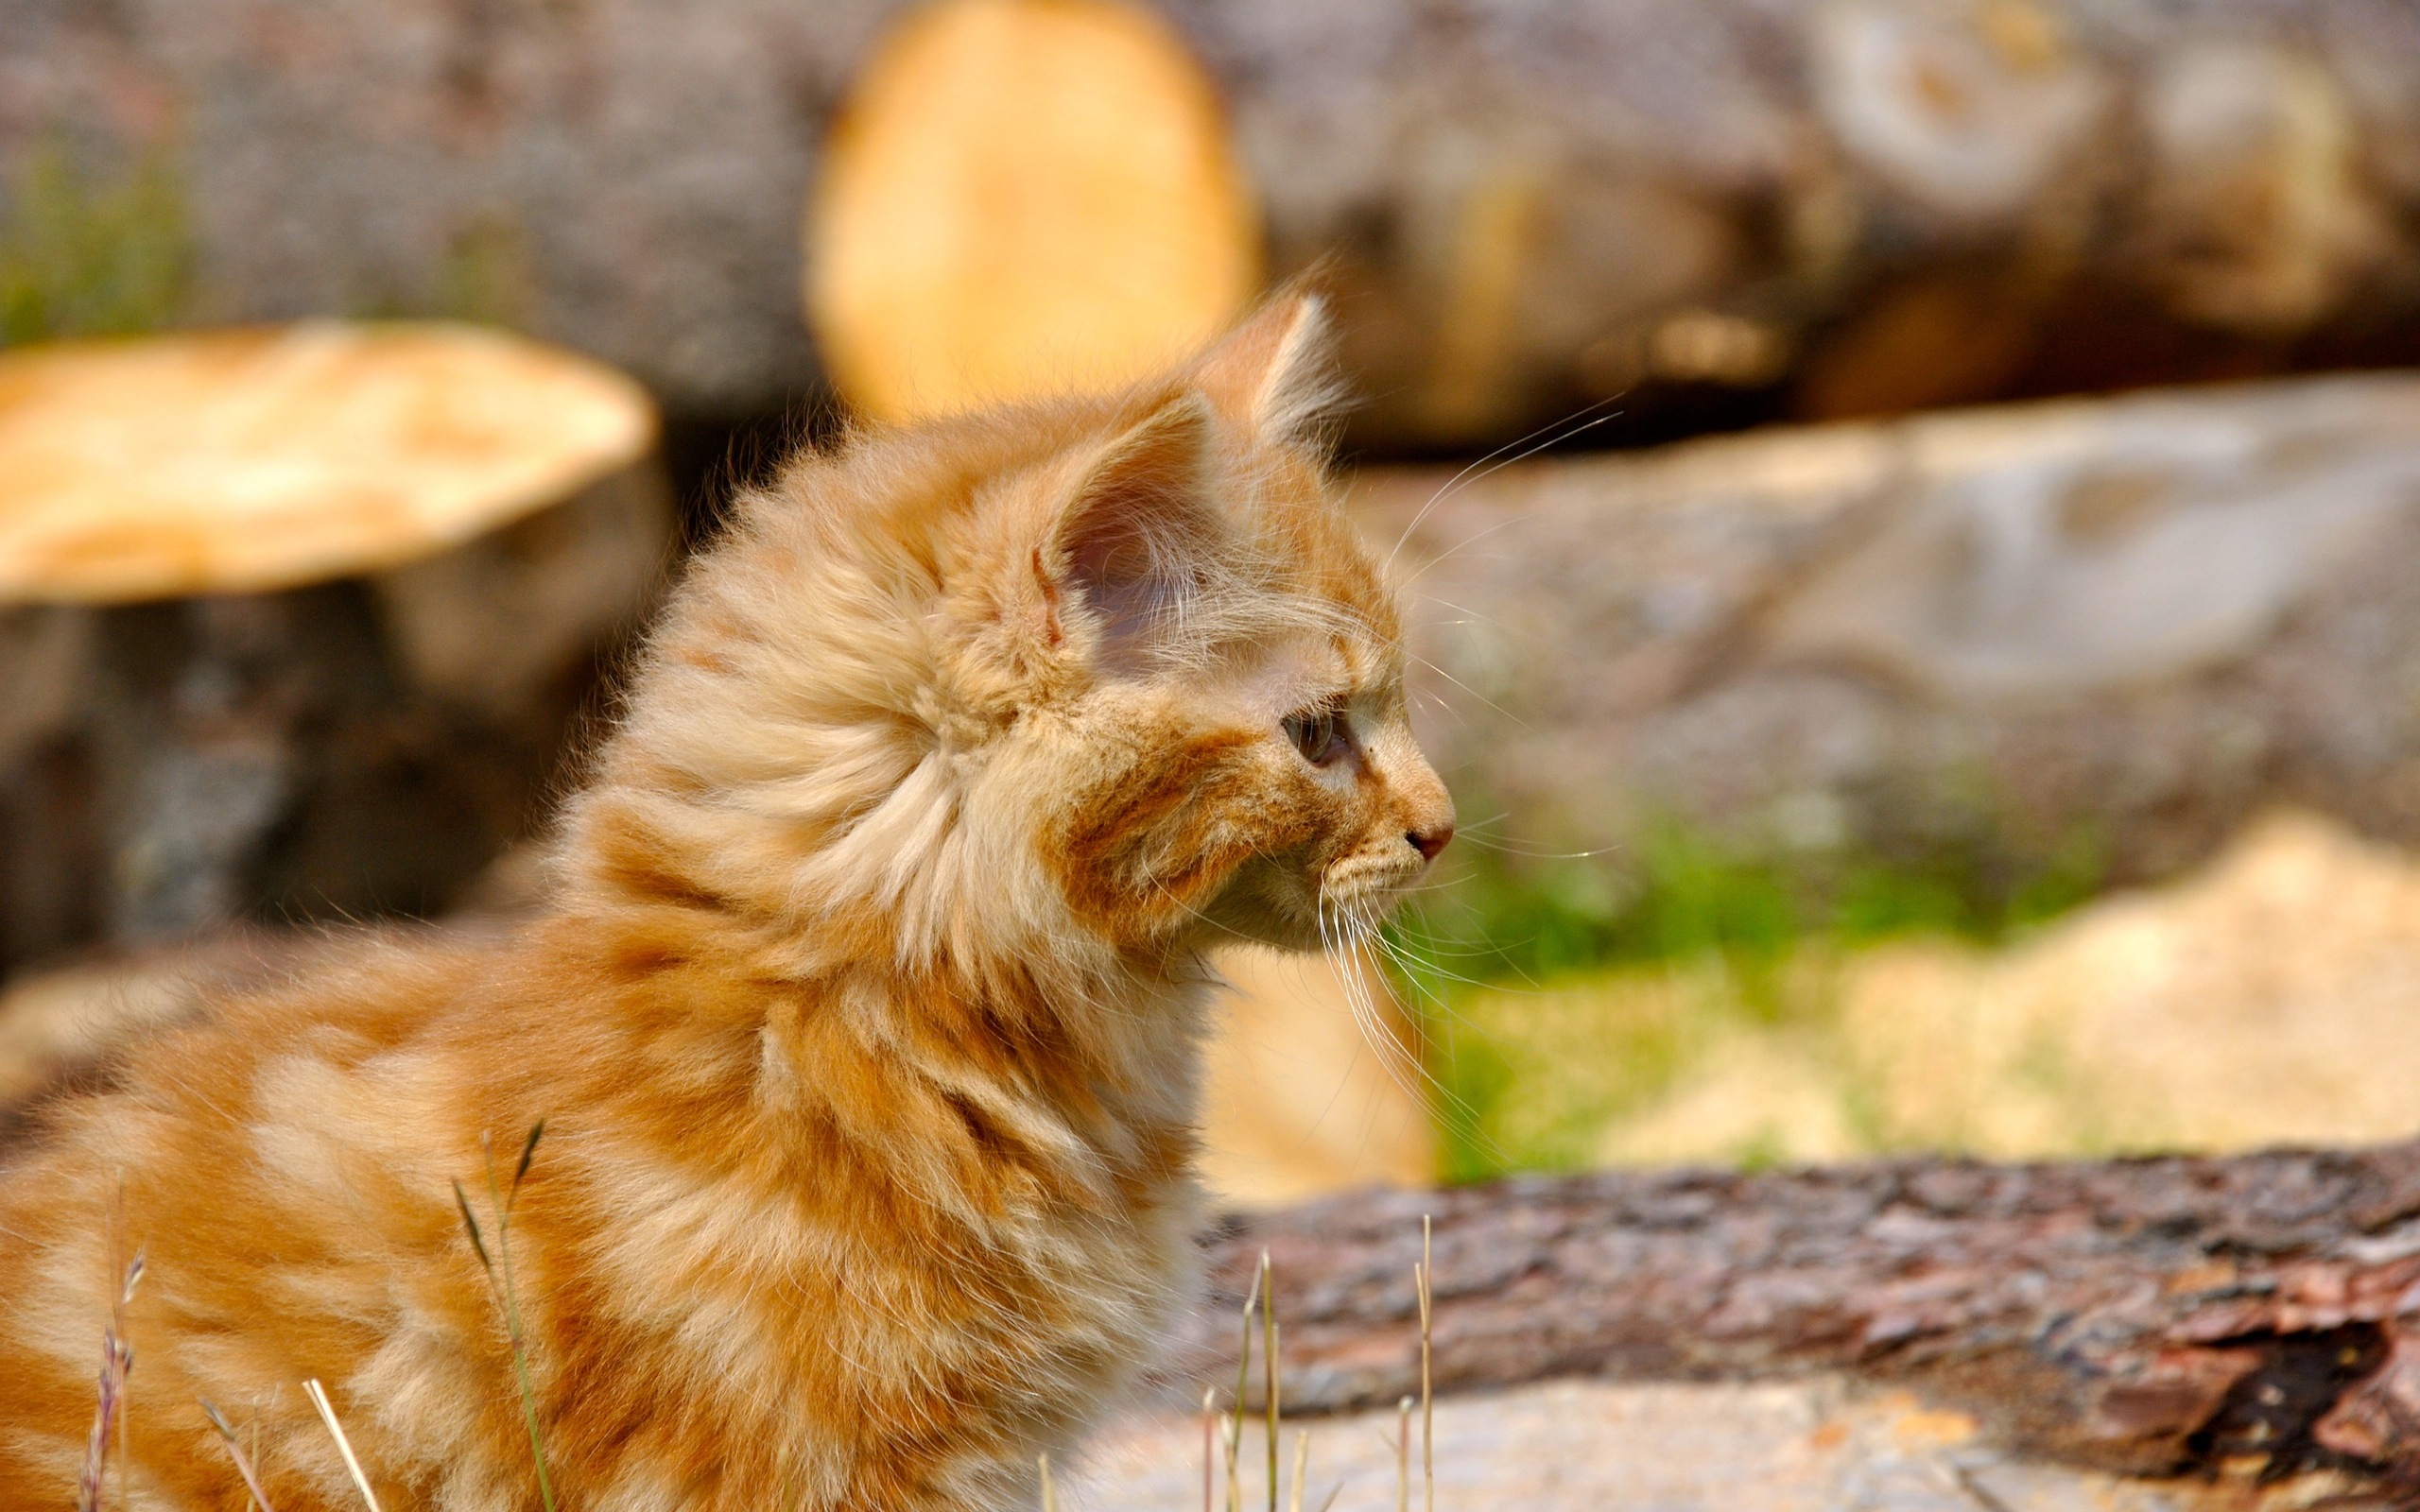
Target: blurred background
{"points": [[1907, 505]]}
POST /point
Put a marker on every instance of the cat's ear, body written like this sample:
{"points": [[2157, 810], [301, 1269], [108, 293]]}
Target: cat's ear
{"points": [[1273, 376], [1134, 536]]}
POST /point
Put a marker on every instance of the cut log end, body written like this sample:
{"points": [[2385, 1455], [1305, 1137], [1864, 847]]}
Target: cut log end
{"points": [[246, 461], [1024, 197]]}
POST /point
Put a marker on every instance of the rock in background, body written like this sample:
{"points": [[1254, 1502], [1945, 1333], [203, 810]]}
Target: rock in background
{"points": [[2121, 624], [1835, 206]]}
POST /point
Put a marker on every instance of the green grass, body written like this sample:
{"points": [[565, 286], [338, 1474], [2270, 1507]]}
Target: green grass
{"points": [[1745, 936], [79, 257]]}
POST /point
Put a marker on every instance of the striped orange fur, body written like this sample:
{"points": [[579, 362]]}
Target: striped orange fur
{"points": [[863, 1014]]}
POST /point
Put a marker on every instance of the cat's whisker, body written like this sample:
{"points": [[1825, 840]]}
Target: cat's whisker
{"points": [[1513, 849], [1457, 683], [1491, 821], [1458, 547], [1472, 616], [1399, 1062], [1481, 467]]}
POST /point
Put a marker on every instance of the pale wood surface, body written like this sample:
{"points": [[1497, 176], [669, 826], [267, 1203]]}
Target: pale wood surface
{"points": [[240, 461]]}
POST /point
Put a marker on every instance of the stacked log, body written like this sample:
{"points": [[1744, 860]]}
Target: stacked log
{"points": [[1822, 206]]}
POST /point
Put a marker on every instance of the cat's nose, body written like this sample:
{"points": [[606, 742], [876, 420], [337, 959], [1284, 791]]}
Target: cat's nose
{"points": [[1429, 842]]}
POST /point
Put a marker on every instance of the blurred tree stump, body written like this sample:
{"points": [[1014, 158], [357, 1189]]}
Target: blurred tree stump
{"points": [[2259, 1314], [1723, 207], [297, 620]]}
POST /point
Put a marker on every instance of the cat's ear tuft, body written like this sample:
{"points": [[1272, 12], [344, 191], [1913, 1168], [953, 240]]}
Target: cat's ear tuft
{"points": [[1136, 533], [1274, 375]]}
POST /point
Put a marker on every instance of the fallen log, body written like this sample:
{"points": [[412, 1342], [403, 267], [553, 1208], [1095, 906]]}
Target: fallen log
{"points": [[1838, 208], [2260, 1313]]}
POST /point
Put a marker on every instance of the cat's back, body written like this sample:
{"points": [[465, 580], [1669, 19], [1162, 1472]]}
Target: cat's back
{"points": [[187, 1035], [236, 1127]]}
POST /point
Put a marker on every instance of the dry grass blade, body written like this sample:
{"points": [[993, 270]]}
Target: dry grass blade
{"points": [[1427, 1398], [235, 1453], [1269, 1366], [529, 1151], [1049, 1497], [108, 1408], [498, 1266], [1302, 1468], [1243, 1383], [1403, 1455], [1209, 1454], [319, 1395], [471, 1225], [116, 1360]]}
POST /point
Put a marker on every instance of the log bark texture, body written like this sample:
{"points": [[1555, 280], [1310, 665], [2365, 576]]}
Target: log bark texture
{"points": [[356, 748], [2120, 624], [2258, 1312], [1845, 205]]}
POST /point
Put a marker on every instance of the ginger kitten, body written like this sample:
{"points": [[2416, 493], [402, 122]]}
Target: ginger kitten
{"points": [[863, 1018]]}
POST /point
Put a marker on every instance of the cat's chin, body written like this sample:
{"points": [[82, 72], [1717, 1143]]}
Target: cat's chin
{"points": [[1262, 904], [1286, 912]]}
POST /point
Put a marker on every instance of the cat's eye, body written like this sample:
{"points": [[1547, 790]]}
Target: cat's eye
{"points": [[1320, 735]]}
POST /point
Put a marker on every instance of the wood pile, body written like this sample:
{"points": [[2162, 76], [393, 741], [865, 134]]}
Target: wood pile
{"points": [[1718, 208]]}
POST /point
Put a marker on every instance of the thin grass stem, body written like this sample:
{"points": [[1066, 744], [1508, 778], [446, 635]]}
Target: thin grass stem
{"points": [[1427, 1397], [235, 1453], [1268, 1368], [109, 1406], [498, 1263], [1209, 1456], [1243, 1383], [319, 1395]]}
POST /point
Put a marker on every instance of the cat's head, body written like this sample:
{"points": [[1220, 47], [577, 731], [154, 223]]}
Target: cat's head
{"points": [[1119, 667]]}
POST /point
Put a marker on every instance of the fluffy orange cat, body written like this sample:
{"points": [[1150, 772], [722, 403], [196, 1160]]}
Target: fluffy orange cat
{"points": [[862, 1018]]}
